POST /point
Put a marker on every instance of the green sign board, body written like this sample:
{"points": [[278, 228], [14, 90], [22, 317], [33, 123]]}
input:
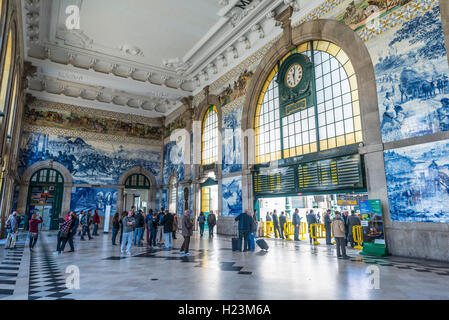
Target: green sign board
{"points": [[373, 206]]}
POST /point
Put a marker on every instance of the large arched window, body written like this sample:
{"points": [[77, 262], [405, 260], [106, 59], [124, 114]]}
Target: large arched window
{"points": [[173, 195], [6, 74], [209, 137], [333, 122]]}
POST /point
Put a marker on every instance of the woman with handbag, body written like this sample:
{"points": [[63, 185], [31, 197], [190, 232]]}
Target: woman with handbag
{"points": [[63, 234], [33, 225]]}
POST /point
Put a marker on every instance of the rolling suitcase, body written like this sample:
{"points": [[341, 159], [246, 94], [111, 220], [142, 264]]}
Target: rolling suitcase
{"points": [[262, 244], [236, 244]]}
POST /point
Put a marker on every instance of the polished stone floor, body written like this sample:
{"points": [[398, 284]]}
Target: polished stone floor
{"points": [[289, 270]]}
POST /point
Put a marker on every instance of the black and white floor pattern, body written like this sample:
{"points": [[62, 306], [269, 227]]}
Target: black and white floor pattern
{"points": [[9, 268], [46, 281]]}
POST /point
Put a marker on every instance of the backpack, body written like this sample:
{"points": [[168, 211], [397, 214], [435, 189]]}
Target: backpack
{"points": [[201, 219]]}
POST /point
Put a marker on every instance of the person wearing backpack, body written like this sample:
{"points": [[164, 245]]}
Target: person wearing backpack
{"points": [[152, 225], [63, 234], [11, 228], [211, 222], [201, 222], [140, 223]]}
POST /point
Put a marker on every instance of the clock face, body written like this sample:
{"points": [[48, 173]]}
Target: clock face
{"points": [[293, 75]]}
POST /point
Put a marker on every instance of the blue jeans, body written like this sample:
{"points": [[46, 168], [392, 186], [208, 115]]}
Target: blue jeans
{"points": [[251, 240], [168, 240], [153, 233], [201, 228], [138, 236], [127, 241], [114, 235]]}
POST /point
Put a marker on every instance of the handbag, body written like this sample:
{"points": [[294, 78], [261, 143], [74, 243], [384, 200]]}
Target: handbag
{"points": [[64, 235]]}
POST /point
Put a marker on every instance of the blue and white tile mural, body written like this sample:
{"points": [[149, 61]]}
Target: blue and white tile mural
{"points": [[232, 150], [164, 200], [232, 196], [93, 198], [418, 182], [173, 160], [158, 200], [89, 162], [412, 77], [180, 204]]}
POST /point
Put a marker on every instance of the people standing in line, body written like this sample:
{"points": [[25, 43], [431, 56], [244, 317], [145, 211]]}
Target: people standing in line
{"points": [[63, 234], [86, 221], [175, 225], [187, 231], [276, 224], [128, 226], [152, 225], [353, 220], [311, 219], [124, 214], [138, 230], [211, 222], [167, 223], [282, 222], [201, 222], [160, 229], [96, 220], [73, 229], [252, 232], [344, 217], [338, 231], [115, 227], [296, 222], [33, 229], [244, 220], [327, 226], [11, 229]]}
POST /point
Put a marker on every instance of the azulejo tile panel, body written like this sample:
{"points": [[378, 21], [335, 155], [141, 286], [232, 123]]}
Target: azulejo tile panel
{"points": [[173, 161], [231, 135], [85, 198], [418, 182], [89, 161], [232, 196]]}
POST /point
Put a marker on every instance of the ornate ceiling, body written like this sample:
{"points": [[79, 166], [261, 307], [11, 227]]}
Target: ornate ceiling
{"points": [[139, 56]]}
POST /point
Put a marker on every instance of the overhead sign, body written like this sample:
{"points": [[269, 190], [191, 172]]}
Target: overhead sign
{"points": [[373, 206]]}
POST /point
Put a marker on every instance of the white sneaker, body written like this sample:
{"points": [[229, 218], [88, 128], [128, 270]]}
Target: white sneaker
{"points": [[181, 252], [128, 253]]}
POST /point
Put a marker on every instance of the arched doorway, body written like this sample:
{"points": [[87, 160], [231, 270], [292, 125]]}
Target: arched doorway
{"points": [[137, 192], [45, 194], [209, 197]]}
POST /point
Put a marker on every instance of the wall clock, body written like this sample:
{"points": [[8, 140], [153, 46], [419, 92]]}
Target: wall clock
{"points": [[293, 76]]}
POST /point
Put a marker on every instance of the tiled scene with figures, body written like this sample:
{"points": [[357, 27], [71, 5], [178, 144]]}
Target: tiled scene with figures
{"points": [[252, 150]]}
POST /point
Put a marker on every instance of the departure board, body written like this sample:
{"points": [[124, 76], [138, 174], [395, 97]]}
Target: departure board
{"points": [[330, 174], [275, 181]]}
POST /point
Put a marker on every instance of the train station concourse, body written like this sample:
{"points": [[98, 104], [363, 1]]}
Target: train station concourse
{"points": [[224, 150]]}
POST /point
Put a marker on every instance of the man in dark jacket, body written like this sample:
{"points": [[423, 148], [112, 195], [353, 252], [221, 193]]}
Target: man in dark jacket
{"points": [[344, 217], [311, 219], [296, 222], [276, 224], [160, 228], [140, 223], [167, 223], [244, 228], [86, 221], [211, 222], [282, 222], [327, 227], [353, 220], [187, 231], [152, 223]]}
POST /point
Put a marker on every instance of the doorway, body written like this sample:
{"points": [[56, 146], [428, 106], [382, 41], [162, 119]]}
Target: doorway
{"points": [[45, 197], [137, 192], [209, 198]]}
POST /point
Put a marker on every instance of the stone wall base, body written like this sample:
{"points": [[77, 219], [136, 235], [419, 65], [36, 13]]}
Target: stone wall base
{"points": [[227, 226]]}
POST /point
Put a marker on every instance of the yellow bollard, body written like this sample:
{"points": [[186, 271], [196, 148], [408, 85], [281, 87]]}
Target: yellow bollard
{"points": [[358, 236], [288, 231], [320, 232], [302, 230], [268, 229]]}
